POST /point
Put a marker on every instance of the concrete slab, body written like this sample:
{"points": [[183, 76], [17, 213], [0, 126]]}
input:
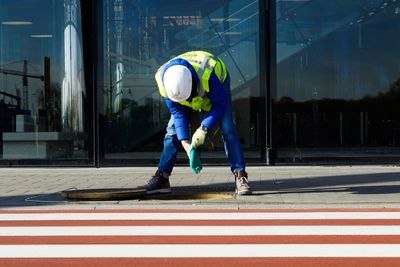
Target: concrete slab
{"points": [[274, 187]]}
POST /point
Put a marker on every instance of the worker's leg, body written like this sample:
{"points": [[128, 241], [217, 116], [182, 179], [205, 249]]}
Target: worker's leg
{"points": [[159, 182], [231, 140], [233, 148], [170, 150]]}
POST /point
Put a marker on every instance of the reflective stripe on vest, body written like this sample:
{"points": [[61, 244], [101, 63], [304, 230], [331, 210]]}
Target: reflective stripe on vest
{"points": [[204, 64]]}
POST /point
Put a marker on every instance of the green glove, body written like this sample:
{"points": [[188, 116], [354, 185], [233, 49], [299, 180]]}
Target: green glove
{"points": [[195, 162]]}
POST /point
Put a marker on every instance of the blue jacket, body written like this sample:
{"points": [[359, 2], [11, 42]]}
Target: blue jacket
{"points": [[181, 113]]}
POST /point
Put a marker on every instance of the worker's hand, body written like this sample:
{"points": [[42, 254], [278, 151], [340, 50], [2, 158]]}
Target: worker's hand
{"points": [[194, 160], [198, 137]]}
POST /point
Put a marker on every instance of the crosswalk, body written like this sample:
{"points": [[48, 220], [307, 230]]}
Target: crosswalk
{"points": [[341, 237]]}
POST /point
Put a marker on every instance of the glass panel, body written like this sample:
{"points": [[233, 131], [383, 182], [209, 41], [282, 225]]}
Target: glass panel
{"points": [[338, 80], [42, 83], [139, 36]]}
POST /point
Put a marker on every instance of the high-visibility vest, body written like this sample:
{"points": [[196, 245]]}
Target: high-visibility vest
{"points": [[204, 64]]}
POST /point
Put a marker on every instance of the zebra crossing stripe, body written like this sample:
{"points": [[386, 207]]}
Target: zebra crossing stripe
{"points": [[199, 251]]}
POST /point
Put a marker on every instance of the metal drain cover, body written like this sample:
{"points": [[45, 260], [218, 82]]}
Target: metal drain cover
{"points": [[191, 196], [104, 194]]}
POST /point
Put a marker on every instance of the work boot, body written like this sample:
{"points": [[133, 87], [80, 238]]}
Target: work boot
{"points": [[242, 183], [158, 184]]}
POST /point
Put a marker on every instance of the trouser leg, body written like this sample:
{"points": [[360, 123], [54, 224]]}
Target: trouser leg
{"points": [[170, 150], [232, 144]]}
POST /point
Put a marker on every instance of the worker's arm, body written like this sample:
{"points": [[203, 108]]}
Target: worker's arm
{"points": [[218, 99], [181, 119], [181, 123]]}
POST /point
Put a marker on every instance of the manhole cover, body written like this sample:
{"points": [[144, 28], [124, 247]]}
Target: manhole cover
{"points": [[190, 196], [104, 194], [137, 193]]}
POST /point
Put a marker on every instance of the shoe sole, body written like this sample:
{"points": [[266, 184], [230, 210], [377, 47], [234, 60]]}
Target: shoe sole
{"points": [[159, 191], [244, 193]]}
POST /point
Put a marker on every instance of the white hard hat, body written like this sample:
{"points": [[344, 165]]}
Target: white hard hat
{"points": [[178, 83]]}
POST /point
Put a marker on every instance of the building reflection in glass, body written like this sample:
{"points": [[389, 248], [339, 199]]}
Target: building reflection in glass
{"points": [[73, 82], [139, 36], [119, 67], [337, 80]]}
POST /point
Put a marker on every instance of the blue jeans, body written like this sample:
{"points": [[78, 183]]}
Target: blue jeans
{"points": [[232, 146]]}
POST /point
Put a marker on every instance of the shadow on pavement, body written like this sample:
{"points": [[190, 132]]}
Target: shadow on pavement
{"points": [[361, 184], [328, 184]]}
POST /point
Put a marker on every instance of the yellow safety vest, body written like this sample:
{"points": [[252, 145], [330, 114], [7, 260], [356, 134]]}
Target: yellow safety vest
{"points": [[204, 64]]}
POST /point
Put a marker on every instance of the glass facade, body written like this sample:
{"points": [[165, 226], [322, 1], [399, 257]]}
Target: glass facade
{"points": [[313, 81], [338, 78], [139, 36], [42, 83]]}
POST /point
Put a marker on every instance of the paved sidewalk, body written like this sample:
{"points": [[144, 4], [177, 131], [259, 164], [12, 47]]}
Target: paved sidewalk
{"points": [[274, 187]]}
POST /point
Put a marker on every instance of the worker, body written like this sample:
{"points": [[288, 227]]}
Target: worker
{"points": [[196, 81]]}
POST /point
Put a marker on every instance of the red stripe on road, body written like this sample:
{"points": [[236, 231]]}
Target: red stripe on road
{"points": [[199, 211], [200, 222], [211, 262], [294, 239]]}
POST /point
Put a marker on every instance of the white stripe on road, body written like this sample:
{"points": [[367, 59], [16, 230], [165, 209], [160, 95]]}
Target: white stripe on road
{"points": [[201, 251], [198, 230], [202, 216]]}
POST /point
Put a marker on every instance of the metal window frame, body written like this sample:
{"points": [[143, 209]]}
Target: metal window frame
{"points": [[268, 76]]}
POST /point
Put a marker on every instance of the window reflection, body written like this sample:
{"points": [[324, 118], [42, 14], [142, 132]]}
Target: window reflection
{"points": [[42, 88], [73, 81], [139, 36], [337, 76]]}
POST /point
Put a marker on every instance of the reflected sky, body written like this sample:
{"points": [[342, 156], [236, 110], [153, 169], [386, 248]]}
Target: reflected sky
{"points": [[336, 49]]}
